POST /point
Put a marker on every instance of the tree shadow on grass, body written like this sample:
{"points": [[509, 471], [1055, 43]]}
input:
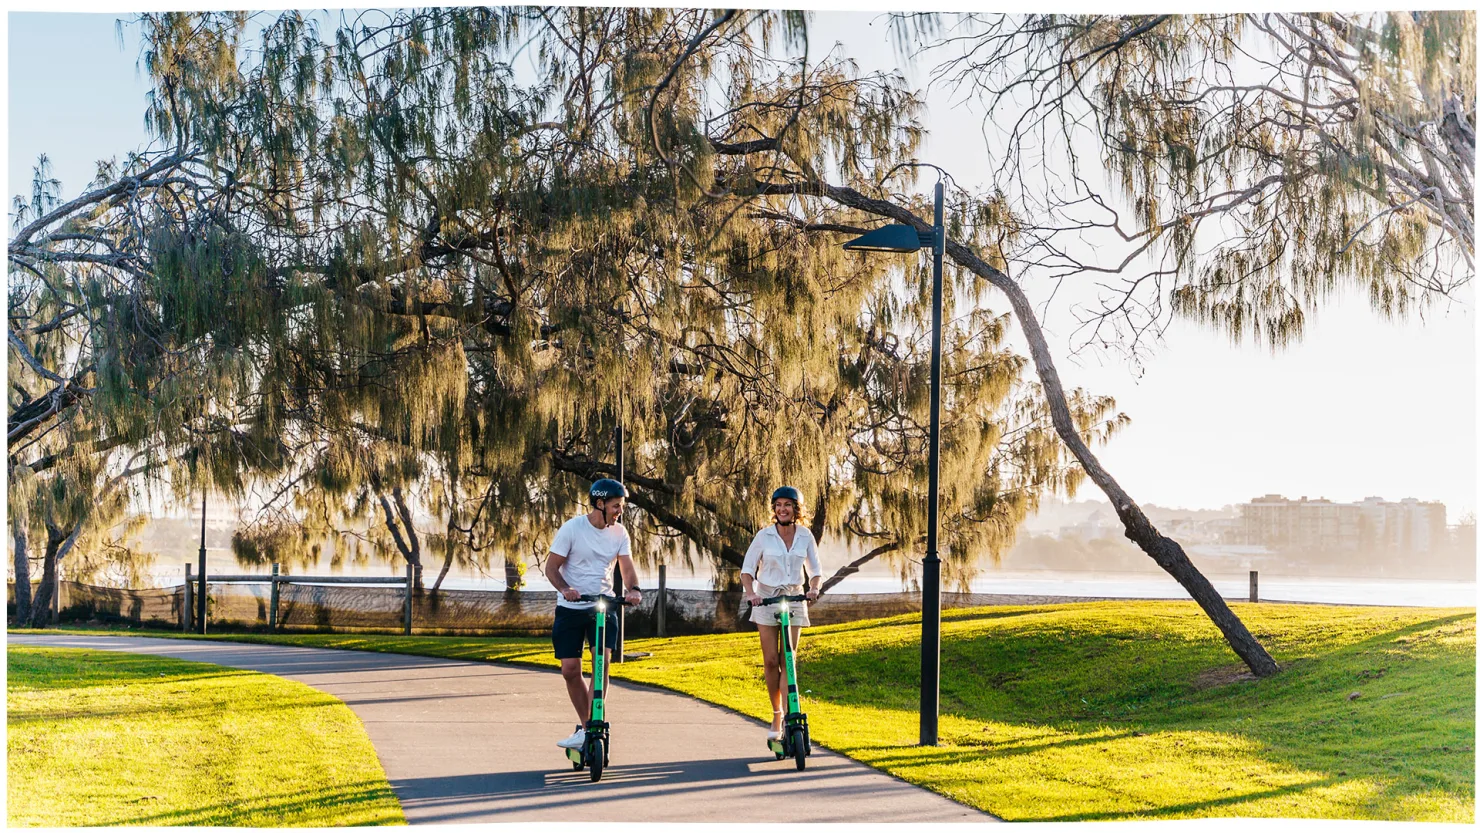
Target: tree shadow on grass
{"points": [[978, 750], [1195, 808], [327, 805]]}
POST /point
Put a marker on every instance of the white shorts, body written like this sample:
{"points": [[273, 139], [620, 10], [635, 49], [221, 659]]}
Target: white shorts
{"points": [[770, 614]]}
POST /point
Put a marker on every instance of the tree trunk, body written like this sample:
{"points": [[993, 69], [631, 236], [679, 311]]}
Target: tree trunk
{"points": [[513, 579], [22, 575], [1164, 551], [446, 562], [41, 605], [410, 551], [819, 518], [413, 540]]}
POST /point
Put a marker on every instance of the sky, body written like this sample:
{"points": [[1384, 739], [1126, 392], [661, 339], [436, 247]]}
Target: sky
{"points": [[1361, 407]]}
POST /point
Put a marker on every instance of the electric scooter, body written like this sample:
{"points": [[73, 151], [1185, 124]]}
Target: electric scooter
{"points": [[795, 741], [595, 753]]}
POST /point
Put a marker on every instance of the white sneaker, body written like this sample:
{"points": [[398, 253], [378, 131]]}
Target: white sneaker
{"points": [[575, 741]]}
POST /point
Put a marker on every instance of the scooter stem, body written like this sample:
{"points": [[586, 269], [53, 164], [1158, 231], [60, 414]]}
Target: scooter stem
{"points": [[793, 700]]}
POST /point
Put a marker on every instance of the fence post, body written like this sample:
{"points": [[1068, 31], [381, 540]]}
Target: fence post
{"points": [[186, 602], [662, 599], [408, 600], [272, 612], [1253, 585]]}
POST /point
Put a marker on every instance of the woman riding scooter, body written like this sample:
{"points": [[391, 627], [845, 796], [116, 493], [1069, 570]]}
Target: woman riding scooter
{"points": [[773, 567]]}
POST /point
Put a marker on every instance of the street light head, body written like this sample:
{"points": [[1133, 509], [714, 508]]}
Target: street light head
{"points": [[890, 238]]}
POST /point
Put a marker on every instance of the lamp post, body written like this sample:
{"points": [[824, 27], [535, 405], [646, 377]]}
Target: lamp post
{"points": [[200, 598], [619, 646], [902, 238]]}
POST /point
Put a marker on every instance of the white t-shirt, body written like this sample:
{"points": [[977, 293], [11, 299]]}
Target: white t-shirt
{"points": [[589, 553], [770, 562]]}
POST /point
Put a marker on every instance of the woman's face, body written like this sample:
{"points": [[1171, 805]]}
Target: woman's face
{"points": [[785, 509]]}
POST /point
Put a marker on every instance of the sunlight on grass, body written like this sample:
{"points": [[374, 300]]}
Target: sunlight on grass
{"points": [[1110, 710], [102, 738]]}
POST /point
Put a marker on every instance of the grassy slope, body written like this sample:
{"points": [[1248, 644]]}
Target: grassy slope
{"points": [[1113, 710], [103, 738]]}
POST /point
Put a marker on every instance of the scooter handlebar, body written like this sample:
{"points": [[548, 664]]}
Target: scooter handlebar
{"points": [[607, 599], [774, 599]]}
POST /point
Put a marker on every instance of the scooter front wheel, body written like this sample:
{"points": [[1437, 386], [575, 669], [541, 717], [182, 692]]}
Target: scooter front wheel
{"points": [[597, 758], [799, 747]]}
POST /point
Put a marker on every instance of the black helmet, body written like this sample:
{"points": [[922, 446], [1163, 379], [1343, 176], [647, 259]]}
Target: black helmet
{"points": [[605, 488], [787, 492]]}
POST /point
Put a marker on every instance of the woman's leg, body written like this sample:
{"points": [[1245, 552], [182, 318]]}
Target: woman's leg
{"points": [[770, 655]]}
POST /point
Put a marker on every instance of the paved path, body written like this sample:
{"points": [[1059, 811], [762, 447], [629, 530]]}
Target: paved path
{"points": [[475, 742]]}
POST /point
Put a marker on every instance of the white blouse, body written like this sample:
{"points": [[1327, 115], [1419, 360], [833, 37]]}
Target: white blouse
{"points": [[779, 565]]}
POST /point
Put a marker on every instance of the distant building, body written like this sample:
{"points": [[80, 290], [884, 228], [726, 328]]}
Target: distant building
{"points": [[1097, 525], [1408, 527]]}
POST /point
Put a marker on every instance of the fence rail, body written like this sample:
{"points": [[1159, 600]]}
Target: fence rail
{"points": [[391, 604], [277, 580]]}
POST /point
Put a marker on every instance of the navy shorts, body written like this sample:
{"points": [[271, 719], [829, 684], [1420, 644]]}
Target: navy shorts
{"points": [[574, 629]]}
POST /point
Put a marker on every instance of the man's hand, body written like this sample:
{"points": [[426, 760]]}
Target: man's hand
{"points": [[633, 596], [571, 594]]}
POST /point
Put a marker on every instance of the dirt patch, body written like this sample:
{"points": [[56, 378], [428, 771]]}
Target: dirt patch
{"points": [[1223, 675]]}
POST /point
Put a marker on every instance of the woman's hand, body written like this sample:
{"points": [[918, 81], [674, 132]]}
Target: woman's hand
{"points": [[812, 594], [752, 598]]}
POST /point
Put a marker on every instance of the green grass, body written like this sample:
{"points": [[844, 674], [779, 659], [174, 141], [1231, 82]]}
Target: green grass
{"points": [[1110, 710], [102, 738]]}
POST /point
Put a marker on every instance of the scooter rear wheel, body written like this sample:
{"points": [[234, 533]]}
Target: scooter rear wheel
{"points": [[597, 758]]}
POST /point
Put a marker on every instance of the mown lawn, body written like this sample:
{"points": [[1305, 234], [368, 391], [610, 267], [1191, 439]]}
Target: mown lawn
{"points": [[1111, 710], [102, 738]]}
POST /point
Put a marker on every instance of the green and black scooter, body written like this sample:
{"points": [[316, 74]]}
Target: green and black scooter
{"points": [[795, 741], [595, 753]]}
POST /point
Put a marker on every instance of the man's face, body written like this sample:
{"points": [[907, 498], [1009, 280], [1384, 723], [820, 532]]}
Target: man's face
{"points": [[785, 509], [612, 507]]}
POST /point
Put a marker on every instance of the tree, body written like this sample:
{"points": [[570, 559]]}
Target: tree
{"points": [[1350, 162], [467, 252], [129, 315]]}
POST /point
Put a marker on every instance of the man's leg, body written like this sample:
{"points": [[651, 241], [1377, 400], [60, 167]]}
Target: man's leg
{"points": [[568, 636], [575, 686]]}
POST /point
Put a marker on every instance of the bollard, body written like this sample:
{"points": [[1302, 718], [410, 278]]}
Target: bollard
{"points": [[662, 599], [1253, 585], [187, 601], [272, 611]]}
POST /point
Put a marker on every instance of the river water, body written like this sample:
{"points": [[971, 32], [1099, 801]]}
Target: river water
{"points": [[1272, 587]]}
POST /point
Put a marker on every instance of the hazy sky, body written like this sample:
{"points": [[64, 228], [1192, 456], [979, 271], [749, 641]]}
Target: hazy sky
{"points": [[1362, 407]]}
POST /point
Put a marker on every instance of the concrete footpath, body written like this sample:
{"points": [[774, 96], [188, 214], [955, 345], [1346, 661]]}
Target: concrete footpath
{"points": [[470, 742]]}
